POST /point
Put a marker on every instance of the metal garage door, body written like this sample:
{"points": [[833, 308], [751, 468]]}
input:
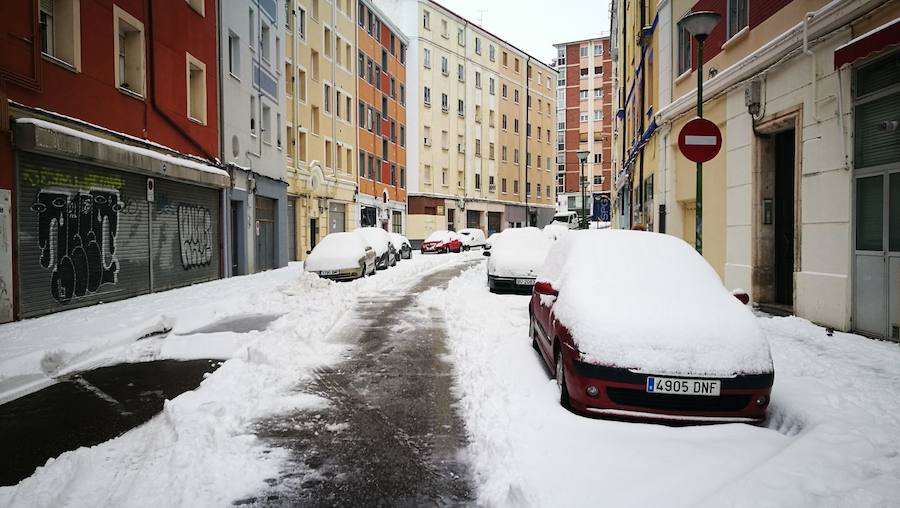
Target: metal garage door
{"points": [[265, 233], [292, 229]]}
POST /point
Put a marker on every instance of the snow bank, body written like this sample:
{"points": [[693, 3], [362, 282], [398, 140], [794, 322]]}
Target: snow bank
{"points": [[648, 301], [336, 251], [833, 441], [518, 252], [200, 451]]}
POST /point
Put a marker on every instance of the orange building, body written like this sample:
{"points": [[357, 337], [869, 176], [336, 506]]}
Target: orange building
{"points": [[381, 125]]}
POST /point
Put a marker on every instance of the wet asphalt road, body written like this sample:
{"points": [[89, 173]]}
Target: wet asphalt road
{"points": [[391, 435], [89, 408]]}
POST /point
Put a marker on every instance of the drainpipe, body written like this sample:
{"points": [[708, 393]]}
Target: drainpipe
{"points": [[622, 105], [642, 115], [840, 106], [151, 61], [812, 62], [527, 100]]}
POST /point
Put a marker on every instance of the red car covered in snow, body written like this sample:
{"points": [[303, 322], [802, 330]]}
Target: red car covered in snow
{"points": [[637, 326], [442, 241]]}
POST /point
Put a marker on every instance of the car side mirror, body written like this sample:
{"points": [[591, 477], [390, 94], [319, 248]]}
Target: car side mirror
{"points": [[545, 288], [308, 252], [486, 253]]}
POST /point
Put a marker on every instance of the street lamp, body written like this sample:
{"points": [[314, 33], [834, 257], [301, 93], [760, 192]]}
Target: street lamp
{"points": [[583, 157], [700, 24]]}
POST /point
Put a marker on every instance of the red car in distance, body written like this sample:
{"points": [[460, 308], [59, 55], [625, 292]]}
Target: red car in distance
{"points": [[637, 326], [442, 241]]}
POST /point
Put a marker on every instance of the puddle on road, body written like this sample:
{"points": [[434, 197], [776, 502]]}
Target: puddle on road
{"points": [[88, 408], [238, 324]]}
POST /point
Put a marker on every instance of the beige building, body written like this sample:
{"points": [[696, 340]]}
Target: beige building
{"points": [[320, 65], [471, 161]]}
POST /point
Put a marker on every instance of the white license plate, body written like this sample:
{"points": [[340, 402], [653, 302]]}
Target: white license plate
{"points": [[525, 282], [678, 386], [329, 272]]}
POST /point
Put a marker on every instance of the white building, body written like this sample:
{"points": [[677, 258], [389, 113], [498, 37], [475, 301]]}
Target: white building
{"points": [[251, 48]]}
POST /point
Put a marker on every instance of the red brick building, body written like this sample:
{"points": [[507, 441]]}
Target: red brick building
{"points": [[108, 139]]}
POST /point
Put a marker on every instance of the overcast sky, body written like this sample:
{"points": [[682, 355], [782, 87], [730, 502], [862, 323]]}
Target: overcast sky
{"points": [[535, 25]]}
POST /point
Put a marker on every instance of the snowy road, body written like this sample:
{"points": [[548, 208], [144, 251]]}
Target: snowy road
{"points": [[391, 434]]}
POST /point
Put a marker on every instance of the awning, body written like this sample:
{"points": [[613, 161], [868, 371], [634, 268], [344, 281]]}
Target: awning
{"points": [[874, 41]]}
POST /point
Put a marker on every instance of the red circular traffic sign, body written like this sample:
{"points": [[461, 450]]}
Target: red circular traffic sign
{"points": [[700, 140]]}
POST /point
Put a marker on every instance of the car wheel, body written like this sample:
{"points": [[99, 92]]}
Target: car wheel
{"points": [[561, 380], [362, 270], [532, 331]]}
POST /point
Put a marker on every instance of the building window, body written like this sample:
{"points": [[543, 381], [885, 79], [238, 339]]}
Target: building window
{"points": [[266, 124], [598, 158], [264, 42], [516, 158], [402, 136], [516, 96], [584, 71], [402, 57], [234, 54], [445, 33], [301, 23], [583, 116], [478, 45], [252, 116], [598, 70], [684, 49], [477, 79], [444, 172], [516, 125], [326, 97], [384, 63], [503, 185], [598, 115], [461, 37], [517, 66], [598, 92], [503, 90], [598, 50], [445, 103], [278, 130], [582, 51], [491, 86], [737, 16], [505, 59], [314, 119], [477, 181], [129, 52], [402, 95], [461, 108], [445, 66], [460, 72], [515, 186], [301, 84], [492, 51], [314, 63], [60, 31], [301, 146], [598, 179], [583, 94], [560, 56], [196, 90], [426, 20], [427, 137], [326, 44], [426, 61]]}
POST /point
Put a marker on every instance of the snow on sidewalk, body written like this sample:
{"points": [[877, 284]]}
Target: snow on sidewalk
{"points": [[199, 451], [833, 438]]}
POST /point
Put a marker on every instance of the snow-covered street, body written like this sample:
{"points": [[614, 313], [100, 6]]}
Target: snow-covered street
{"points": [[418, 386]]}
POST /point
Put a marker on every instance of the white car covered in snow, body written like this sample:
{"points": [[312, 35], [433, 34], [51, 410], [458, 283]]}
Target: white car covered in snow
{"points": [[380, 241], [401, 246], [637, 325], [555, 231], [514, 258], [341, 256], [472, 237]]}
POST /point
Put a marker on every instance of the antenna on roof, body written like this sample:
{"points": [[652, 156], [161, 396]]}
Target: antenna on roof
{"points": [[481, 16]]}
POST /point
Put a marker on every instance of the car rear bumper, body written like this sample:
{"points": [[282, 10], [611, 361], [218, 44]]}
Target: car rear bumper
{"points": [[622, 394], [508, 285]]}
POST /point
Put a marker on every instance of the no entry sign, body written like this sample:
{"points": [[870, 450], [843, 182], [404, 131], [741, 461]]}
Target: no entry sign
{"points": [[700, 140]]}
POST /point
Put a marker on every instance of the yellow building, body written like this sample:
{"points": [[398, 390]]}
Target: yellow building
{"points": [[468, 122], [320, 63]]}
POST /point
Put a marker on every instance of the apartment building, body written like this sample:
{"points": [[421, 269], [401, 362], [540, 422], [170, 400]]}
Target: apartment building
{"points": [[320, 116], [799, 207], [381, 115], [474, 156], [253, 148], [109, 131], [584, 123]]}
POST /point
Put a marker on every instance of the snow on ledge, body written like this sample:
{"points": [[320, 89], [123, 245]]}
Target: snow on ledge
{"points": [[162, 157]]}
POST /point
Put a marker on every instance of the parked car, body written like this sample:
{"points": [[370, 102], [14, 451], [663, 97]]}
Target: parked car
{"points": [[555, 231], [514, 259], [401, 245], [490, 240], [341, 256], [379, 240], [472, 237], [637, 325], [442, 241], [568, 220]]}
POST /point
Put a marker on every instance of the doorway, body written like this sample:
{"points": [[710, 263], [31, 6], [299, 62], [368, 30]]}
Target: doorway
{"points": [[237, 226], [313, 233], [265, 233], [776, 212]]}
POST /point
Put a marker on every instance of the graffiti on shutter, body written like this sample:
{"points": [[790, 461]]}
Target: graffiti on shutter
{"points": [[195, 236]]}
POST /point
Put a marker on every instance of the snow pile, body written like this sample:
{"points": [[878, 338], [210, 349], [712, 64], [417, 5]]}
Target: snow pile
{"points": [[555, 231], [833, 441], [518, 252], [611, 281], [200, 451], [376, 237], [336, 251]]}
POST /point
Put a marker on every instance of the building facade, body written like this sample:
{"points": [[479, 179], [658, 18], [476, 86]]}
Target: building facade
{"points": [[253, 142], [584, 122], [477, 154], [381, 118], [320, 126], [109, 132], [799, 205]]}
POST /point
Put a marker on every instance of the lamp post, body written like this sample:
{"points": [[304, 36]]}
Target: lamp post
{"points": [[582, 157], [699, 24]]}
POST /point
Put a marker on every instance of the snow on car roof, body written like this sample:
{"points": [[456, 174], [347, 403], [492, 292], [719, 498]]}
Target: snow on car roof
{"points": [[518, 252], [336, 251], [649, 302], [376, 237], [440, 235]]}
